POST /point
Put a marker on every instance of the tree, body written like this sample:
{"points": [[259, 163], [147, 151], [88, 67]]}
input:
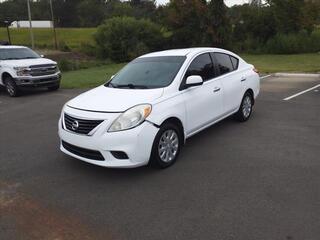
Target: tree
{"points": [[219, 27], [187, 21], [124, 38], [85, 10]]}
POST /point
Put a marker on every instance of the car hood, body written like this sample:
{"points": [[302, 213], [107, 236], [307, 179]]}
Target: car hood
{"points": [[106, 99], [27, 62]]}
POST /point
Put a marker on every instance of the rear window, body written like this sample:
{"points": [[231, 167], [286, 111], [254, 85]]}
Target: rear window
{"points": [[223, 62]]}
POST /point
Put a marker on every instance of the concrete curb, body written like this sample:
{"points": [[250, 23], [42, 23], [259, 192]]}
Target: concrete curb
{"points": [[296, 75]]}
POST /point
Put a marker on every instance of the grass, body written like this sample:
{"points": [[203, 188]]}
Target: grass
{"points": [[88, 78], [91, 77], [72, 37], [285, 63]]}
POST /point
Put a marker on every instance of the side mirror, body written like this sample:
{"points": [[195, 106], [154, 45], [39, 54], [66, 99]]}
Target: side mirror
{"points": [[42, 55], [194, 80]]}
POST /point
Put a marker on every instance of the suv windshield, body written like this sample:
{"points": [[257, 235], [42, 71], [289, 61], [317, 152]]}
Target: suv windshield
{"points": [[148, 72], [17, 53]]}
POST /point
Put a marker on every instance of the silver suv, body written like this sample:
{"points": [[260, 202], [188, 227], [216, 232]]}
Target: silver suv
{"points": [[21, 67]]}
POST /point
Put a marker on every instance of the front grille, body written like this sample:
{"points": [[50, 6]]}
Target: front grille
{"points": [[83, 152], [82, 126], [42, 70]]}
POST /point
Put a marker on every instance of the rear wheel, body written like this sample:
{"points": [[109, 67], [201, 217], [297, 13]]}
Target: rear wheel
{"points": [[245, 109], [166, 146], [11, 87]]}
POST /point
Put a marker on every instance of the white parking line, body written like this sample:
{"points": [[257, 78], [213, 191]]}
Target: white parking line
{"points": [[302, 92], [265, 76]]}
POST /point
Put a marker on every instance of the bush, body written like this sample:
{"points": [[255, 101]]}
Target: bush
{"points": [[64, 47], [124, 38], [65, 65], [302, 42]]}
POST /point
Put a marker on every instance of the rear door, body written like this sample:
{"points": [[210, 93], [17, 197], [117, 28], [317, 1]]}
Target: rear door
{"points": [[232, 82], [203, 103]]}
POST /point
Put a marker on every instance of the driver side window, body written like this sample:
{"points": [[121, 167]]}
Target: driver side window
{"points": [[203, 66]]}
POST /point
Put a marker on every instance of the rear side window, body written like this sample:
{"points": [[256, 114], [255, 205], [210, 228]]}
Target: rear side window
{"points": [[203, 66], [224, 63], [235, 62]]}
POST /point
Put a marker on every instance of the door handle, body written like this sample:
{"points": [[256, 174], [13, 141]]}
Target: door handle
{"points": [[216, 89], [243, 79]]}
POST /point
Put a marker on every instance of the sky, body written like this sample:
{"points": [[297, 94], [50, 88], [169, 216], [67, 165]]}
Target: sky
{"points": [[227, 2]]}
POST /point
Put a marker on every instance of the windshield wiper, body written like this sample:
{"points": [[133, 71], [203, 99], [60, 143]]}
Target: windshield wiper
{"points": [[130, 85], [11, 59]]}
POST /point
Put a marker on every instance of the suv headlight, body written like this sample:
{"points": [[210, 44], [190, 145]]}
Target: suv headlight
{"points": [[22, 71], [131, 118]]}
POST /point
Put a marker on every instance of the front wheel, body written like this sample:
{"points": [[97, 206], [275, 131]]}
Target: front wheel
{"points": [[166, 146], [11, 87], [54, 88], [245, 109]]}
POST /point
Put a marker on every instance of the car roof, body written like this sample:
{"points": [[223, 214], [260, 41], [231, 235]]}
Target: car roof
{"points": [[11, 46], [182, 52]]}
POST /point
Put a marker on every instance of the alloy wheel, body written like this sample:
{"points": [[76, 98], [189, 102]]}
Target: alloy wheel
{"points": [[168, 146]]}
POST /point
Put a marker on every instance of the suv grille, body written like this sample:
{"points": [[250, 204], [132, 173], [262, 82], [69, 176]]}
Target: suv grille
{"points": [[83, 152], [81, 126], [42, 70]]}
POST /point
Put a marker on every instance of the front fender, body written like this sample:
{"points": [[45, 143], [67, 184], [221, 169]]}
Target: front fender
{"points": [[170, 108], [6, 70]]}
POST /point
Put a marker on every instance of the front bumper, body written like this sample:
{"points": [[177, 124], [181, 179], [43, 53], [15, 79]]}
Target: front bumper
{"points": [[136, 143], [42, 81]]}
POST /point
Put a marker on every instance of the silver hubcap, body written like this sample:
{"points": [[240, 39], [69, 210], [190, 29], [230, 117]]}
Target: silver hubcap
{"points": [[10, 88], [168, 146], [246, 106]]}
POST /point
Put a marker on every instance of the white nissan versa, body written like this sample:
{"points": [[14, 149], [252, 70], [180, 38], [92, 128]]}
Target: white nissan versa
{"points": [[147, 110]]}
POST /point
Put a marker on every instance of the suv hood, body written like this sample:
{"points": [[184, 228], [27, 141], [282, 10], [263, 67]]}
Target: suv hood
{"points": [[27, 62], [105, 99]]}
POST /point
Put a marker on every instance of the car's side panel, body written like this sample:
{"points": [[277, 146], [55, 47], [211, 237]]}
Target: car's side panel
{"points": [[203, 104], [233, 87]]}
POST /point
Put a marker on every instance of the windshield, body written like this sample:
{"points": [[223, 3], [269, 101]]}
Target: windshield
{"points": [[17, 53], [148, 72]]}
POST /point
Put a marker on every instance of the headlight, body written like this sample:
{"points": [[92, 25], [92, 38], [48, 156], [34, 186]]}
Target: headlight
{"points": [[22, 71], [131, 118]]}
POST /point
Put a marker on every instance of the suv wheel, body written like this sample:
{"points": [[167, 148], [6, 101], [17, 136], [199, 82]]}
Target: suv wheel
{"points": [[166, 146], [245, 109], [54, 88], [11, 87]]}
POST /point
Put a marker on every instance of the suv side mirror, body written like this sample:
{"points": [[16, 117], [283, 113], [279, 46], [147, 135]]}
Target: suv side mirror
{"points": [[42, 55], [194, 80]]}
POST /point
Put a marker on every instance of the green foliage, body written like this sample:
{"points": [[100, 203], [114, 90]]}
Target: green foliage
{"points": [[269, 63], [66, 65], [124, 38], [187, 21], [138, 26], [91, 77], [72, 37], [219, 28], [303, 42]]}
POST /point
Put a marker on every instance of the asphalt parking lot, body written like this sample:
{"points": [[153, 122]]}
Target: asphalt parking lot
{"points": [[253, 180]]}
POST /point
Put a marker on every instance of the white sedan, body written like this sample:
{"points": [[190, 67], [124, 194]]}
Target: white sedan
{"points": [[145, 113]]}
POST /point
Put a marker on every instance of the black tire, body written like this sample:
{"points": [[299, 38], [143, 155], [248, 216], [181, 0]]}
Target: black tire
{"points": [[54, 88], [11, 87], [155, 159], [244, 112]]}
